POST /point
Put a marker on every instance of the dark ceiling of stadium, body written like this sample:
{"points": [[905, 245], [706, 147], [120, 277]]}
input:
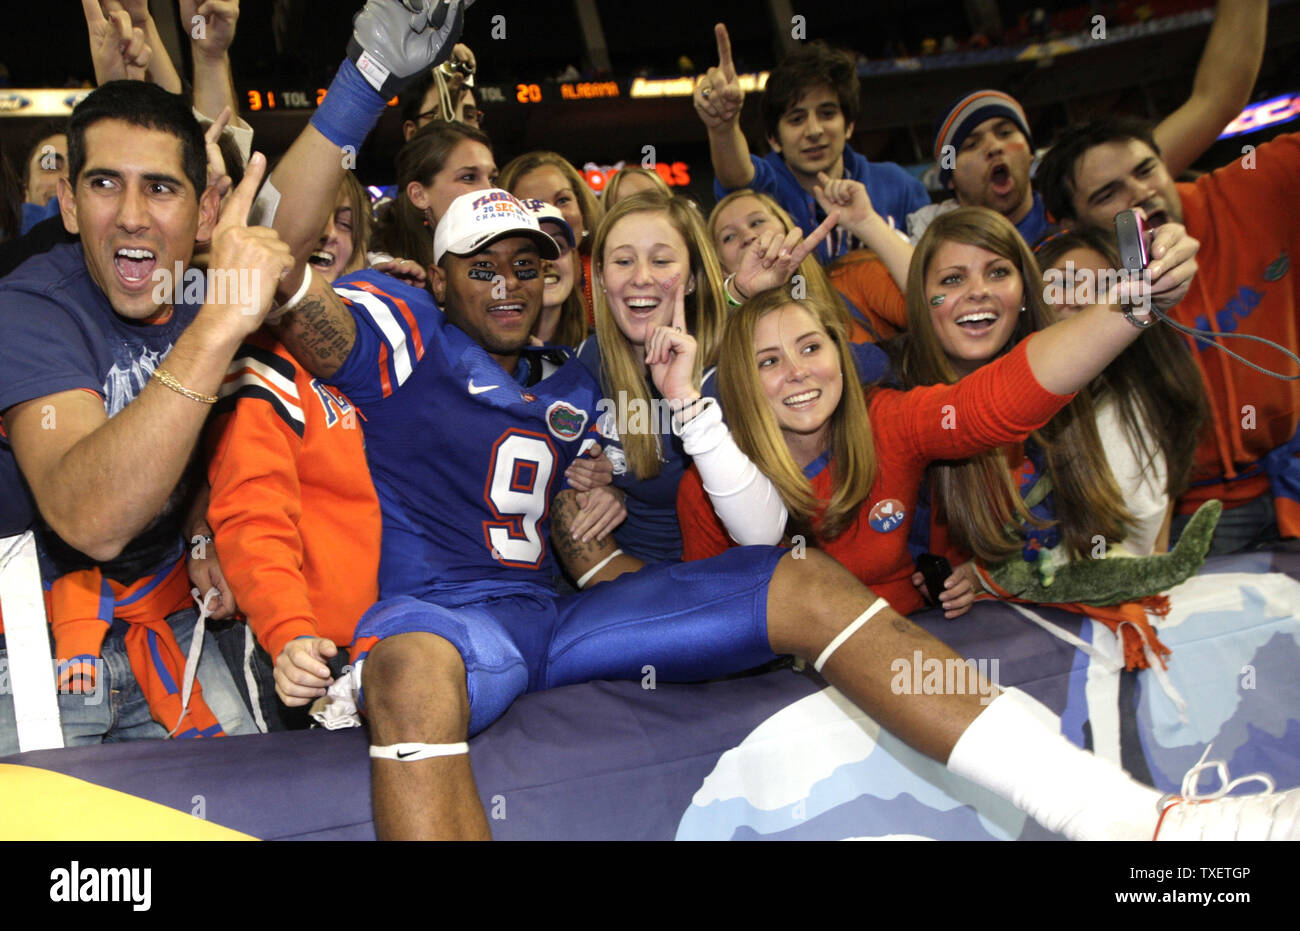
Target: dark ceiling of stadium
{"points": [[46, 42]]}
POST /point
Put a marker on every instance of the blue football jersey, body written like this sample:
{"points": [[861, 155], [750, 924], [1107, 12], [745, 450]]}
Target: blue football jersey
{"points": [[464, 456]]}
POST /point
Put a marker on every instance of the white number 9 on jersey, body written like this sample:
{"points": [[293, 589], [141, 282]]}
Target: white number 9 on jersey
{"points": [[518, 492]]}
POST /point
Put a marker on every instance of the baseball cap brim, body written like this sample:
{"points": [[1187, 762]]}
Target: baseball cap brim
{"points": [[565, 229], [472, 245]]}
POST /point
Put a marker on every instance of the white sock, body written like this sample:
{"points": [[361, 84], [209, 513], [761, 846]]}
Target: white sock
{"points": [[1012, 751]]}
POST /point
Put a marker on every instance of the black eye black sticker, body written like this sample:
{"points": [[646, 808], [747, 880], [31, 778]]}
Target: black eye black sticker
{"points": [[481, 274], [526, 274]]}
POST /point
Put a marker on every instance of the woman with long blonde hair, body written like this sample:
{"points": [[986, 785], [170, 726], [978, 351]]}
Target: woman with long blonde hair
{"points": [[761, 247], [650, 252], [645, 246]]}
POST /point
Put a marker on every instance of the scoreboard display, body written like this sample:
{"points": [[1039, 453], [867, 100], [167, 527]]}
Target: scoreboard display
{"points": [[261, 99], [287, 99]]}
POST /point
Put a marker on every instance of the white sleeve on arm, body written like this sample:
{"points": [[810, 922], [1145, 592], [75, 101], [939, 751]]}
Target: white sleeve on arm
{"points": [[243, 135], [239, 130], [1142, 484], [744, 499]]}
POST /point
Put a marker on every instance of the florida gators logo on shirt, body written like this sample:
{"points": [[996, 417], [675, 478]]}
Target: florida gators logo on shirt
{"points": [[886, 515], [565, 420]]}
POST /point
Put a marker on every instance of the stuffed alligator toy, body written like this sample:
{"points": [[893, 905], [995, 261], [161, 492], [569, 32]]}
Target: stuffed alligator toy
{"points": [[1115, 578]]}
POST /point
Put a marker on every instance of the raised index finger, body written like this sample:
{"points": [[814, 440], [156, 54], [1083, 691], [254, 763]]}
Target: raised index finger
{"points": [[235, 211], [823, 229], [724, 51], [679, 306], [814, 239], [217, 127]]}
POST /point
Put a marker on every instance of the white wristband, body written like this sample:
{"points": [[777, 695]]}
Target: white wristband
{"points": [[586, 576], [278, 312]]}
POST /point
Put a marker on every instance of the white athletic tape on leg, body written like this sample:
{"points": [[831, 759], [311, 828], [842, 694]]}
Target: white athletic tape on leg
{"points": [[409, 753], [849, 631]]}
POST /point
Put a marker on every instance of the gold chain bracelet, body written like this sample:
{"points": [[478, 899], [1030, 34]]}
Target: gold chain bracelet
{"points": [[168, 379]]}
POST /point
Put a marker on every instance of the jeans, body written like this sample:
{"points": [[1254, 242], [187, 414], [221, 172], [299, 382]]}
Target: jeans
{"points": [[276, 714], [1249, 527], [116, 710]]}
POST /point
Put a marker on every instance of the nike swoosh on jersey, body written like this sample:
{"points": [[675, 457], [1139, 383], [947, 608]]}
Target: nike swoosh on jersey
{"points": [[479, 389]]}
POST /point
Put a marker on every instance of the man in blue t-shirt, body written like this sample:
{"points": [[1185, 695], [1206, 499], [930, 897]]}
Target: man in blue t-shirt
{"points": [[809, 107], [100, 430]]}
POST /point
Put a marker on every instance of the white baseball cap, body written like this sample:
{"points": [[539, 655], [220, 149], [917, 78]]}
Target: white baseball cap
{"points": [[479, 218], [549, 213]]}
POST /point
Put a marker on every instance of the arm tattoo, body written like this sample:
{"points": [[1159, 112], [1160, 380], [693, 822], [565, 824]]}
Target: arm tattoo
{"points": [[319, 332], [576, 556]]}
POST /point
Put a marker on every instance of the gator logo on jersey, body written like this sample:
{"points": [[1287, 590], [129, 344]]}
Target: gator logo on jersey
{"points": [[565, 420], [886, 515], [1278, 268]]}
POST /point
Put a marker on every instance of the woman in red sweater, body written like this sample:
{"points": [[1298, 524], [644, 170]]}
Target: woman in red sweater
{"points": [[849, 465]]}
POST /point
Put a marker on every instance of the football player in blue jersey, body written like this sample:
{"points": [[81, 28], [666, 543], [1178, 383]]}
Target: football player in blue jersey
{"points": [[467, 433]]}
